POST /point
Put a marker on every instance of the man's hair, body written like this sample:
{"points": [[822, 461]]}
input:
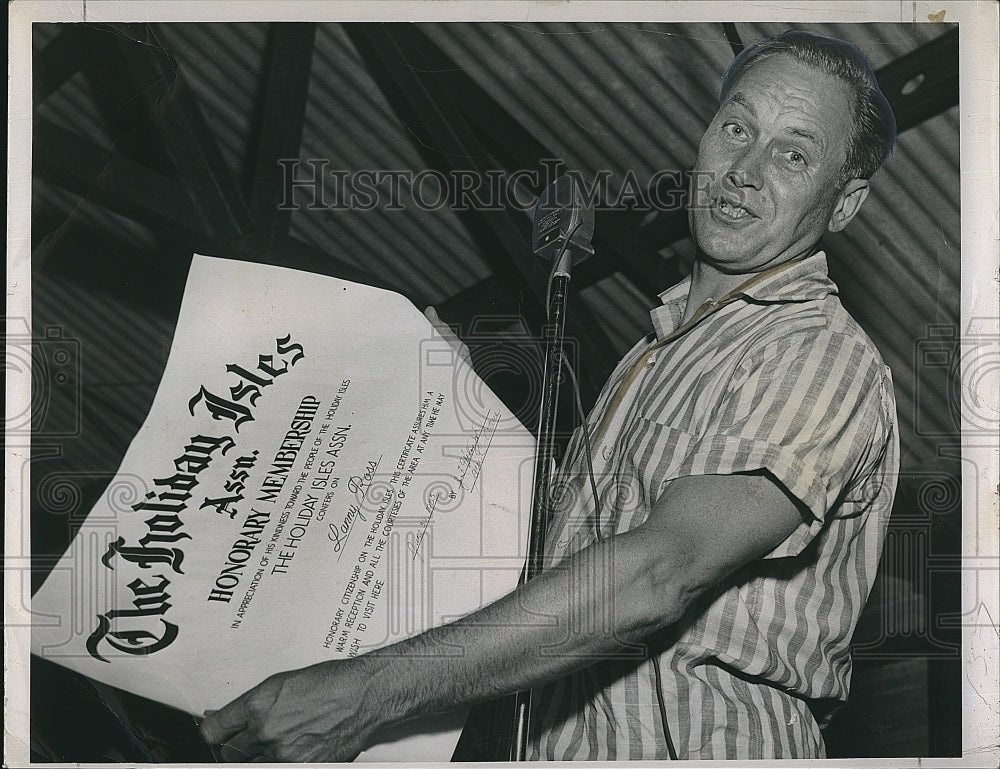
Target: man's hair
{"points": [[873, 129]]}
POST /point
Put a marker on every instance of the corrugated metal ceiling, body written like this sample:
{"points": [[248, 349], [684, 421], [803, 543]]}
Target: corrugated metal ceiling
{"points": [[621, 97]]}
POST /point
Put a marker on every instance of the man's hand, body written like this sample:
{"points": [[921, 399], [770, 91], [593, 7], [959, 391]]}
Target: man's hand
{"points": [[446, 332], [325, 712]]}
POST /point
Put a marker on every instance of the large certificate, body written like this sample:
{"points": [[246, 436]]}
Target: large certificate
{"points": [[320, 475]]}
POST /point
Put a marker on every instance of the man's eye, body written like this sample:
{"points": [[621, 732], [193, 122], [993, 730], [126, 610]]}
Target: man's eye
{"points": [[796, 158], [735, 130]]}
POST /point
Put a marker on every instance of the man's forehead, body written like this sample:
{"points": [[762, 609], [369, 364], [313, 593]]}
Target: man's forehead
{"points": [[812, 78], [809, 105]]}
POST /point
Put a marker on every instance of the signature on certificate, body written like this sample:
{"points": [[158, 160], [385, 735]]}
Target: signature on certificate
{"points": [[470, 461], [358, 485]]}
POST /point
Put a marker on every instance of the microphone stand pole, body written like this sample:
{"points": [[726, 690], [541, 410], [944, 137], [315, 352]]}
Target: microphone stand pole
{"points": [[544, 461]]}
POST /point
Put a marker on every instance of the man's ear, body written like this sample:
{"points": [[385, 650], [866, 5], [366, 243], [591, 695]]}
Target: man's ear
{"points": [[848, 204]]}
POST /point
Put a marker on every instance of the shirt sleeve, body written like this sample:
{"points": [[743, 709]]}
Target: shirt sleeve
{"points": [[815, 410]]}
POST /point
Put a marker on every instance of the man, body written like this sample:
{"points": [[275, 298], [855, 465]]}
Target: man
{"points": [[744, 460]]}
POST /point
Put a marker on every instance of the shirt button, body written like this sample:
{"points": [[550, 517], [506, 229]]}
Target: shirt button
{"points": [[651, 361]]}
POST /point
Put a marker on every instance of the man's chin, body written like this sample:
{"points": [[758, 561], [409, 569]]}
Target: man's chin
{"points": [[727, 245], [726, 259], [734, 267]]}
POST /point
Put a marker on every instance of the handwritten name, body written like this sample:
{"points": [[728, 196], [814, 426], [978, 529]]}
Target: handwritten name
{"points": [[470, 460], [358, 484], [340, 534]]}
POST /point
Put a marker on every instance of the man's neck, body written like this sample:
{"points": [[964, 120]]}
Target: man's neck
{"points": [[709, 284]]}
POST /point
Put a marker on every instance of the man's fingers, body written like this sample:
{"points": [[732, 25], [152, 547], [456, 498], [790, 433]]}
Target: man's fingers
{"points": [[238, 749], [219, 725], [447, 333]]}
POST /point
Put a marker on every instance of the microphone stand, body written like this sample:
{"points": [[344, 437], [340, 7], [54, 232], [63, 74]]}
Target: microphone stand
{"points": [[544, 460]]}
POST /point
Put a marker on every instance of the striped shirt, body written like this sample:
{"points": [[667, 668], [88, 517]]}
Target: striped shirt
{"points": [[780, 379]]}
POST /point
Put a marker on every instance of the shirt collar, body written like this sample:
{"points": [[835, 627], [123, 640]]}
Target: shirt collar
{"points": [[802, 281]]}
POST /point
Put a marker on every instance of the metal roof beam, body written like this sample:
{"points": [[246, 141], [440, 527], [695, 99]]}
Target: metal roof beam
{"points": [[56, 63], [923, 83], [111, 179], [179, 127], [160, 202], [408, 71], [280, 115], [516, 147], [732, 37]]}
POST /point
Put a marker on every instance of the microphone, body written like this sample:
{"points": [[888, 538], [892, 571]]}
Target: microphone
{"points": [[563, 225], [561, 230]]}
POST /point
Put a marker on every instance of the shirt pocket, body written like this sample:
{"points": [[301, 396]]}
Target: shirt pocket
{"points": [[653, 452]]}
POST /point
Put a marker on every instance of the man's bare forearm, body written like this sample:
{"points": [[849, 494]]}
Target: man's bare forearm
{"points": [[605, 600], [601, 601], [563, 620]]}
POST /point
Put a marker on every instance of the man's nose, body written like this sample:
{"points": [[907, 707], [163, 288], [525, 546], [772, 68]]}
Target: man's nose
{"points": [[748, 170]]}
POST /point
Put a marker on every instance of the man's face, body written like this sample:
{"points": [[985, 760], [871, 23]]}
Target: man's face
{"points": [[767, 177]]}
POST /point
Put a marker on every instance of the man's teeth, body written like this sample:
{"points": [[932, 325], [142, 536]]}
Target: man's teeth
{"points": [[734, 212]]}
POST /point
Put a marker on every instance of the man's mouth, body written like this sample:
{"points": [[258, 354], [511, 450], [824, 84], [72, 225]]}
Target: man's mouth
{"points": [[732, 211]]}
